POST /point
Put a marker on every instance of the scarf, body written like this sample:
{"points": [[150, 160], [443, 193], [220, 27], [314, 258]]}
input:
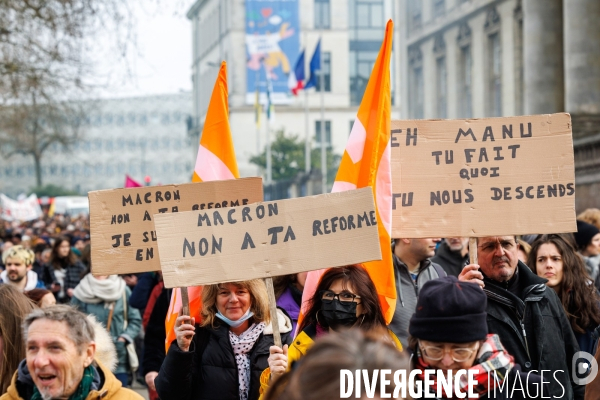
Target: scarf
{"points": [[241, 349], [82, 391], [491, 359], [93, 291]]}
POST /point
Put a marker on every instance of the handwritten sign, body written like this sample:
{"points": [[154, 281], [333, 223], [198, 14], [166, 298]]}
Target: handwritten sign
{"points": [[483, 177], [268, 239], [122, 220]]}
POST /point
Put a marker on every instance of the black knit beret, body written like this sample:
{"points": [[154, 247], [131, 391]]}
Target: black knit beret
{"points": [[585, 233], [450, 311]]}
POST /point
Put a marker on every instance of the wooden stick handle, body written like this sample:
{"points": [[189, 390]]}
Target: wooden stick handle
{"points": [[473, 250], [185, 301], [273, 310]]}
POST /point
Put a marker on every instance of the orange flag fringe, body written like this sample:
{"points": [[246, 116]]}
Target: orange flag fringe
{"points": [[366, 163], [215, 161]]}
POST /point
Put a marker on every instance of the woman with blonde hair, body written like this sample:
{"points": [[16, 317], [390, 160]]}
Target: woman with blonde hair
{"points": [[223, 356], [15, 307]]}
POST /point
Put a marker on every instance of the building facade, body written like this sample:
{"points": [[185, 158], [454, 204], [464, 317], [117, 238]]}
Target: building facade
{"points": [[486, 58], [141, 136], [351, 33]]}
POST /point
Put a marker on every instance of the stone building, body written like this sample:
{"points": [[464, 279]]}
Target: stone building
{"points": [[484, 58], [139, 136]]}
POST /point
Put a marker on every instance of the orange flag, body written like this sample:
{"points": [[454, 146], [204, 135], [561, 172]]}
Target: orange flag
{"points": [[366, 162], [215, 161]]}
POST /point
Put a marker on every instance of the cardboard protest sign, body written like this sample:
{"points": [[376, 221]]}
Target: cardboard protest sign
{"points": [[122, 220], [268, 239], [483, 177]]}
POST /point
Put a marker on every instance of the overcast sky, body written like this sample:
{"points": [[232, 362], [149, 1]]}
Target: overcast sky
{"points": [[162, 61]]}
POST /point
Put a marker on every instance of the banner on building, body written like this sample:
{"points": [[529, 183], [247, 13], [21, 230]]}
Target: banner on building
{"points": [[268, 239], [272, 46], [26, 209], [483, 177]]}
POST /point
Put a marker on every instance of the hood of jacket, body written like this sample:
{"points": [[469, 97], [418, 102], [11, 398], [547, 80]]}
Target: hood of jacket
{"points": [[32, 279], [285, 323]]}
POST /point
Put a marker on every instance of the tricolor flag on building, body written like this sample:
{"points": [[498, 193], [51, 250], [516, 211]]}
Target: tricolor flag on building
{"points": [[366, 162], [215, 161], [296, 78]]}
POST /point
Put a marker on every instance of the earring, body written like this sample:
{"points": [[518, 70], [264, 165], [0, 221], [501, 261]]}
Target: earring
{"points": [[362, 320]]}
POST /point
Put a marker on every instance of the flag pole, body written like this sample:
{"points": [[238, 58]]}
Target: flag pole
{"points": [[307, 158], [323, 149], [269, 166]]}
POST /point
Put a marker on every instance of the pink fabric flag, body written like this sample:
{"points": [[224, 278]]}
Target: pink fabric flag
{"points": [[129, 182]]}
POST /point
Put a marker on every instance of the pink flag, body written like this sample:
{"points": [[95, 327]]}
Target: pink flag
{"points": [[129, 182]]}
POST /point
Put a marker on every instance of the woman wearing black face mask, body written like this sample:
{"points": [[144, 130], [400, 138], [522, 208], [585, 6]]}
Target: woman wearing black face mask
{"points": [[346, 297]]}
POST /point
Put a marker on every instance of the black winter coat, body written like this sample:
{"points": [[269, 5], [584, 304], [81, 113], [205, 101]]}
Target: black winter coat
{"points": [[451, 261], [155, 334], [211, 374], [534, 329]]}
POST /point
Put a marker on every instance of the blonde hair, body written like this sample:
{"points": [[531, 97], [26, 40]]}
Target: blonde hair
{"points": [[20, 252], [259, 301], [591, 216]]}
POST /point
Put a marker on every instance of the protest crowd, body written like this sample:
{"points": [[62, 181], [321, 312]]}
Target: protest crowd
{"points": [[540, 307], [513, 313]]}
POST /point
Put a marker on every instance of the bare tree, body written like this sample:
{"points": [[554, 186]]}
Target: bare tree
{"points": [[48, 54]]}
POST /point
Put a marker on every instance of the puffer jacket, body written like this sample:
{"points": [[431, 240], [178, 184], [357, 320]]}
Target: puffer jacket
{"points": [[105, 386], [117, 326], [209, 370], [407, 293], [534, 329]]}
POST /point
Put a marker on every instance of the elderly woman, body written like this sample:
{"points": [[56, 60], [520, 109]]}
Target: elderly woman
{"points": [[345, 297], [18, 262], [223, 356], [449, 332], [15, 307], [553, 257]]}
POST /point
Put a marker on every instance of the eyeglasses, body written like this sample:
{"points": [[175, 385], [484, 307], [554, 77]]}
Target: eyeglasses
{"points": [[327, 296], [437, 353]]}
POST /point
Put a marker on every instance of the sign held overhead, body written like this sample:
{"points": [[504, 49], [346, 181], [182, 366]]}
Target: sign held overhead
{"points": [[483, 177], [122, 220], [268, 239]]}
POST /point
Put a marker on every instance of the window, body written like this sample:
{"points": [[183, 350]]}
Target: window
{"points": [[326, 71], [441, 86], [439, 8], [414, 15], [361, 65], [465, 83], [366, 20], [416, 95], [494, 75], [327, 133], [322, 14]]}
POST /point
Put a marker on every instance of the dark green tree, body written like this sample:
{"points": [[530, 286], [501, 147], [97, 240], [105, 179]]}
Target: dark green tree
{"points": [[287, 156]]}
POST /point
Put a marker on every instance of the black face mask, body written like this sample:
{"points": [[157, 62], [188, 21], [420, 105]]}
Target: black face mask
{"points": [[337, 314]]}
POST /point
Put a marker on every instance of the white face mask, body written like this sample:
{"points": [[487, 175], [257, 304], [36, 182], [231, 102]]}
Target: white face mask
{"points": [[235, 324]]}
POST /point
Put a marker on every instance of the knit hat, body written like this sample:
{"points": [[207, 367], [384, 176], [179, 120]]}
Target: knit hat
{"points": [[450, 311], [585, 233]]}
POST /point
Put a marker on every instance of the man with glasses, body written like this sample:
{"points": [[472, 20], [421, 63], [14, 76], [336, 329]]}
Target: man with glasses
{"points": [[526, 314], [412, 268]]}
